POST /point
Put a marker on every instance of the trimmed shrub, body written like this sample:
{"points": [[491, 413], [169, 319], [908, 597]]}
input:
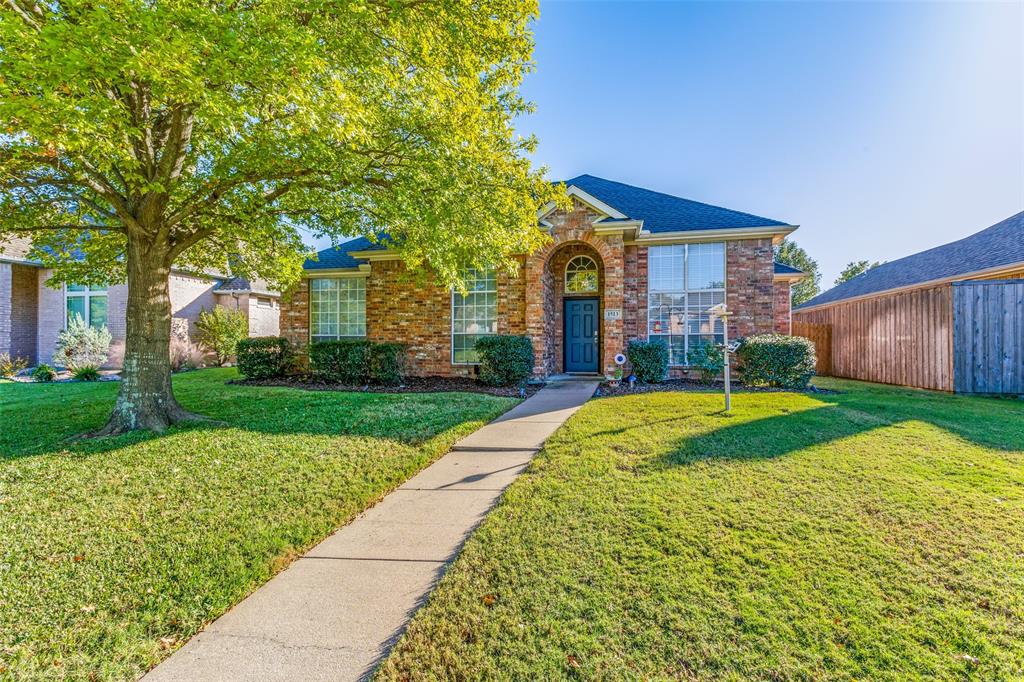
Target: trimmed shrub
{"points": [[10, 366], [86, 373], [777, 360], [649, 360], [221, 329], [504, 360], [387, 363], [81, 345], [708, 359], [264, 357], [346, 361], [43, 373]]}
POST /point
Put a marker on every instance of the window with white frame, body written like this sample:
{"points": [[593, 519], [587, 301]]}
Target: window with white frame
{"points": [[684, 280], [337, 308], [474, 314], [580, 275], [86, 302]]}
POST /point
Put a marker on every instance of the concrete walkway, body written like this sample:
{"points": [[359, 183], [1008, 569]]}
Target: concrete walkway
{"points": [[335, 612]]}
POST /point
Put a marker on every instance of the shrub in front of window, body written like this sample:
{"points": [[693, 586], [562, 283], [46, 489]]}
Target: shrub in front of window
{"points": [[9, 366], [345, 361], [264, 357], [777, 360], [504, 360], [649, 360], [43, 373], [708, 359], [86, 373], [81, 345], [387, 363], [220, 330]]}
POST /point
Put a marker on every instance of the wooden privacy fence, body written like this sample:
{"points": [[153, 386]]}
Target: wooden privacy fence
{"points": [[988, 336], [903, 338]]}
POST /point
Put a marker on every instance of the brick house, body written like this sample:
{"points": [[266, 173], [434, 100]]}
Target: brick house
{"points": [[32, 313], [624, 263]]}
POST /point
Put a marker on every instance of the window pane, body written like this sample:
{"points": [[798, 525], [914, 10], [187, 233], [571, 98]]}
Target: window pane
{"points": [[474, 315], [665, 267], [337, 308], [76, 287], [76, 306], [705, 266], [97, 311]]}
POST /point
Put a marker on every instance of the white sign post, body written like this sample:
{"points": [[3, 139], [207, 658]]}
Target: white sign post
{"points": [[721, 311]]}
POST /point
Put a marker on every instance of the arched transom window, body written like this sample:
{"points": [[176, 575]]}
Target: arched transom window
{"points": [[581, 275]]}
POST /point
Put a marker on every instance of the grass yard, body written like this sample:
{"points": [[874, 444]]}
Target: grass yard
{"points": [[113, 552], [874, 534]]}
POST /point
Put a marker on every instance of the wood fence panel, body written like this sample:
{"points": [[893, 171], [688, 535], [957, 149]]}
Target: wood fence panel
{"points": [[988, 336], [904, 338]]}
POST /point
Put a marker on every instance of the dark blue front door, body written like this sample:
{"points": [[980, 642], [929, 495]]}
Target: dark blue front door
{"points": [[581, 335]]}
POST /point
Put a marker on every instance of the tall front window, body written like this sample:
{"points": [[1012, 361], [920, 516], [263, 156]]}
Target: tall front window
{"points": [[337, 308], [87, 302], [685, 280], [474, 315]]}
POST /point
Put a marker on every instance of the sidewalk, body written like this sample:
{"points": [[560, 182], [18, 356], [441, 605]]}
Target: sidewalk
{"points": [[335, 612]]}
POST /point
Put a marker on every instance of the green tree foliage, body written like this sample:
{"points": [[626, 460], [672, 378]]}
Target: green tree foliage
{"points": [[137, 135], [855, 269], [221, 329], [790, 253]]}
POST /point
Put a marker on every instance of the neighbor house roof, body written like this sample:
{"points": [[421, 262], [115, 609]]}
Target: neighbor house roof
{"points": [[659, 212], [998, 246], [664, 212], [783, 269]]}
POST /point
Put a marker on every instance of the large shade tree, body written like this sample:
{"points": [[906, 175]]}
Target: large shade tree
{"points": [[790, 253], [138, 135]]}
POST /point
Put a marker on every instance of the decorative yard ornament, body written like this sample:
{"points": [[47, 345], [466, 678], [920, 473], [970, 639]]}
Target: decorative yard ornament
{"points": [[620, 359], [722, 311]]}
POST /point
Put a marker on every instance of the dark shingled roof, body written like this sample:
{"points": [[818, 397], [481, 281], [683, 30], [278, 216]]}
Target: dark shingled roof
{"points": [[234, 284], [659, 213], [996, 246], [783, 269], [664, 212]]}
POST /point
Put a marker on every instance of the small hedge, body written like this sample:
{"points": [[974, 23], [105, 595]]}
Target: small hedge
{"points": [[265, 357], [387, 363], [649, 360], [777, 360], [358, 361], [346, 361], [504, 360]]}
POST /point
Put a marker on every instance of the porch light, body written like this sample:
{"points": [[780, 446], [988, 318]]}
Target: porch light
{"points": [[722, 311]]}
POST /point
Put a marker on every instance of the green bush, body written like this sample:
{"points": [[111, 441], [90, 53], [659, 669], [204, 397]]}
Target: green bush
{"points": [[346, 361], [708, 359], [649, 360], [221, 329], [504, 360], [777, 360], [387, 363], [264, 357], [86, 373], [10, 366], [44, 373]]}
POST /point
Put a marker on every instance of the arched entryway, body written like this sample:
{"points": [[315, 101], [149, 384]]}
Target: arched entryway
{"points": [[573, 305]]}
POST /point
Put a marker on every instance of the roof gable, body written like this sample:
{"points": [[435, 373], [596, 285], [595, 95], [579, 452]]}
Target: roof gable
{"points": [[1000, 245]]}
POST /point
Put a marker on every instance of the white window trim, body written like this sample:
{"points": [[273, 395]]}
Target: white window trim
{"points": [[451, 315], [338, 276], [85, 296], [686, 292]]}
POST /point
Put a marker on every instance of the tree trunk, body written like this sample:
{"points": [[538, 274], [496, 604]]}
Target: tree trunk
{"points": [[146, 400]]}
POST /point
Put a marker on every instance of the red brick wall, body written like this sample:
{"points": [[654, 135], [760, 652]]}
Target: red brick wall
{"points": [[24, 311], [634, 300], [749, 287], [781, 310]]}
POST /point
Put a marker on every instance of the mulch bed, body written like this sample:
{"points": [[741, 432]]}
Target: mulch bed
{"points": [[608, 390], [411, 385]]}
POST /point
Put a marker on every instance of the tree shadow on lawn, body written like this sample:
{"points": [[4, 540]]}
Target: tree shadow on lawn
{"points": [[411, 419], [992, 423]]}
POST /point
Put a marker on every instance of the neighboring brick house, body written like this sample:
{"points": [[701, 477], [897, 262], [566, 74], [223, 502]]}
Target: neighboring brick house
{"points": [[623, 263], [32, 313]]}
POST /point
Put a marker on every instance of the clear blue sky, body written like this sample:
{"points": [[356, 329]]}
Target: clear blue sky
{"points": [[881, 128]]}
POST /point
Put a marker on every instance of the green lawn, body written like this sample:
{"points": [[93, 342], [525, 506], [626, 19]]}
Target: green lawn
{"points": [[874, 534], [113, 552]]}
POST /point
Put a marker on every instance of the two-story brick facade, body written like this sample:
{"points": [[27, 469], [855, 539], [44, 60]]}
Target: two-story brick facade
{"points": [[623, 263]]}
